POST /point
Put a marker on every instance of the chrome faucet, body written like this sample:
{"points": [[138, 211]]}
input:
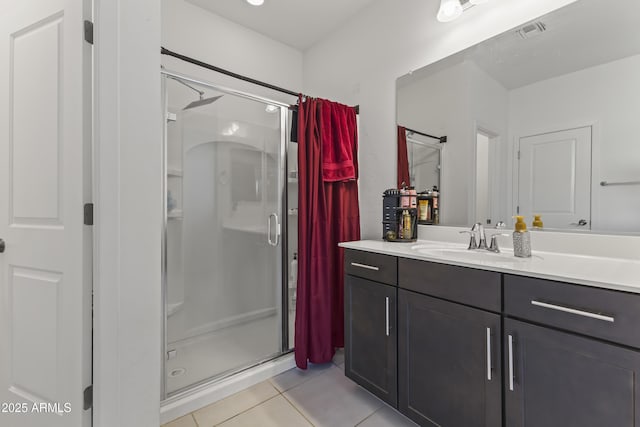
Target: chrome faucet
{"points": [[482, 239], [472, 240], [493, 247]]}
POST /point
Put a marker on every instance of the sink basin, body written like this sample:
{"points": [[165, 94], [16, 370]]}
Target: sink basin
{"points": [[476, 256]]}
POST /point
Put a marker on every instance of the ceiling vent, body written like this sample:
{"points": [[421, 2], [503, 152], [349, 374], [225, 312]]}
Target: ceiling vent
{"points": [[531, 30]]}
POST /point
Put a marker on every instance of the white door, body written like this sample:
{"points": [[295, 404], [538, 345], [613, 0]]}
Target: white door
{"points": [[555, 178], [45, 269]]}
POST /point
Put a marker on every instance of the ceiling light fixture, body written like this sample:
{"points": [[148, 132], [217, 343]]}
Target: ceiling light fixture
{"points": [[449, 10], [255, 2], [452, 9]]}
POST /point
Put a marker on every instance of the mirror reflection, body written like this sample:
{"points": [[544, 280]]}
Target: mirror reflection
{"points": [[541, 119]]}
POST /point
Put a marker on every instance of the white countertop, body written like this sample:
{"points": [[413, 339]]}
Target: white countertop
{"points": [[610, 273]]}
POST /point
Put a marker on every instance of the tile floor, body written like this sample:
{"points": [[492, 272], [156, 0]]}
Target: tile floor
{"points": [[321, 396]]}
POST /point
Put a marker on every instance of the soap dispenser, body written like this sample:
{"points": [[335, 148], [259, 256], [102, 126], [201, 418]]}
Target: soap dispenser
{"points": [[537, 222], [521, 239]]}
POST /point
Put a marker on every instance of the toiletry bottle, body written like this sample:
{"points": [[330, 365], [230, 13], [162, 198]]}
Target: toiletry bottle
{"points": [[436, 210], [423, 208], [537, 222], [406, 225], [404, 200], [413, 197], [521, 239]]}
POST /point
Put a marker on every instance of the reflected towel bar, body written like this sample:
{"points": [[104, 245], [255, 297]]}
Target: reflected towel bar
{"points": [[606, 183]]}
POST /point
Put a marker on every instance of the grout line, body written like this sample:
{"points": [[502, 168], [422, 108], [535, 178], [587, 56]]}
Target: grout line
{"points": [[297, 409], [368, 416], [194, 419], [240, 413], [306, 378]]}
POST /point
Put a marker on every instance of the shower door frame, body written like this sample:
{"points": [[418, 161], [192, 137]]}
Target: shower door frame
{"points": [[284, 223]]}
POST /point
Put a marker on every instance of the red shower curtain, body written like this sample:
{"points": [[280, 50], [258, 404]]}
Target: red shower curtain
{"points": [[328, 213], [403, 158]]}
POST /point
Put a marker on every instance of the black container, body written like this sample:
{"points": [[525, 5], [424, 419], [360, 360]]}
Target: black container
{"points": [[393, 218]]}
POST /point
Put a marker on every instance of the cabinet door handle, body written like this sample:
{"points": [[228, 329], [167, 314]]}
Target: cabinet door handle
{"points": [[386, 301], [510, 363], [573, 311], [368, 267], [489, 354]]}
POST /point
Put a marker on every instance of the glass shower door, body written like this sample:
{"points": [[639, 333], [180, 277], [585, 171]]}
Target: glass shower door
{"points": [[225, 188]]}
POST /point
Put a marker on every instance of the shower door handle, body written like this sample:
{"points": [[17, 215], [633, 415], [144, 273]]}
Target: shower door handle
{"points": [[277, 233]]}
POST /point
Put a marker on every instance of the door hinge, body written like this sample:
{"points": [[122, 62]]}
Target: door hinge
{"points": [[518, 154], [88, 214], [518, 210], [88, 32], [88, 397]]}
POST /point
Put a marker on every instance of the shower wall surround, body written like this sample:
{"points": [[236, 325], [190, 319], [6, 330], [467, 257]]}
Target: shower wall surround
{"points": [[226, 183]]}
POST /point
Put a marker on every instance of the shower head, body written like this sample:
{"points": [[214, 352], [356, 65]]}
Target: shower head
{"points": [[202, 101]]}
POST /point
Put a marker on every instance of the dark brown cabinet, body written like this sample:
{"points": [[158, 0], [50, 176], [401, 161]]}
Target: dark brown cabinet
{"points": [[449, 363], [558, 379], [452, 346], [371, 336]]}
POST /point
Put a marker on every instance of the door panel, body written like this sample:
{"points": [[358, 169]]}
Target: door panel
{"points": [[371, 336], [225, 186], [563, 380], [45, 286], [449, 363], [555, 178]]}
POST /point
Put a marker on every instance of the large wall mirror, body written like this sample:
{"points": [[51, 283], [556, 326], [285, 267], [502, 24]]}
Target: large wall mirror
{"points": [[542, 119]]}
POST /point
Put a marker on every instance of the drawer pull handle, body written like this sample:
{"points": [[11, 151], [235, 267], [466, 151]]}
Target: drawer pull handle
{"points": [[510, 362], [573, 311], [489, 354], [368, 267], [386, 300]]}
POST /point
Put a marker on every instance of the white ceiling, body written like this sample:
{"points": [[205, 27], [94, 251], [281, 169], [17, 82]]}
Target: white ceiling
{"points": [[581, 35], [297, 23]]}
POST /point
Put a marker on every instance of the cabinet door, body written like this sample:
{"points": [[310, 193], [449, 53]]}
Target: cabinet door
{"points": [[559, 379], [449, 363], [371, 337]]}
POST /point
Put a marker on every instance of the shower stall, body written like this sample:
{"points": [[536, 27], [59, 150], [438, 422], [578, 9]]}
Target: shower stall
{"points": [[229, 232]]}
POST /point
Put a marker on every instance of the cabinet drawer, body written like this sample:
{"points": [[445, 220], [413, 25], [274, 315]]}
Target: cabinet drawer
{"points": [[601, 313], [477, 288], [370, 265]]}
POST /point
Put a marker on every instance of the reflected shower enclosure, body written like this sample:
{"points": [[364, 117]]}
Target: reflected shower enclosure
{"points": [[225, 239]]}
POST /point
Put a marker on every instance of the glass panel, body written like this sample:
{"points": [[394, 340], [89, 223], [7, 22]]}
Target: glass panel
{"points": [[424, 164], [223, 250]]}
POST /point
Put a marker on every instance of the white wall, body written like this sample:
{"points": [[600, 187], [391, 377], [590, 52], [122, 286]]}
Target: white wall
{"points": [[359, 64], [608, 97], [454, 102], [439, 105], [127, 303], [195, 32]]}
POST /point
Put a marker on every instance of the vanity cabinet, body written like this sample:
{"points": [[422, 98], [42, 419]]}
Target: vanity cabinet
{"points": [[558, 379], [371, 324], [449, 362], [454, 346], [561, 378]]}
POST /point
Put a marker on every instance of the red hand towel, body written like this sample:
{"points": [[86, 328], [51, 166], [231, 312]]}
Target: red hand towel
{"points": [[339, 135]]}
